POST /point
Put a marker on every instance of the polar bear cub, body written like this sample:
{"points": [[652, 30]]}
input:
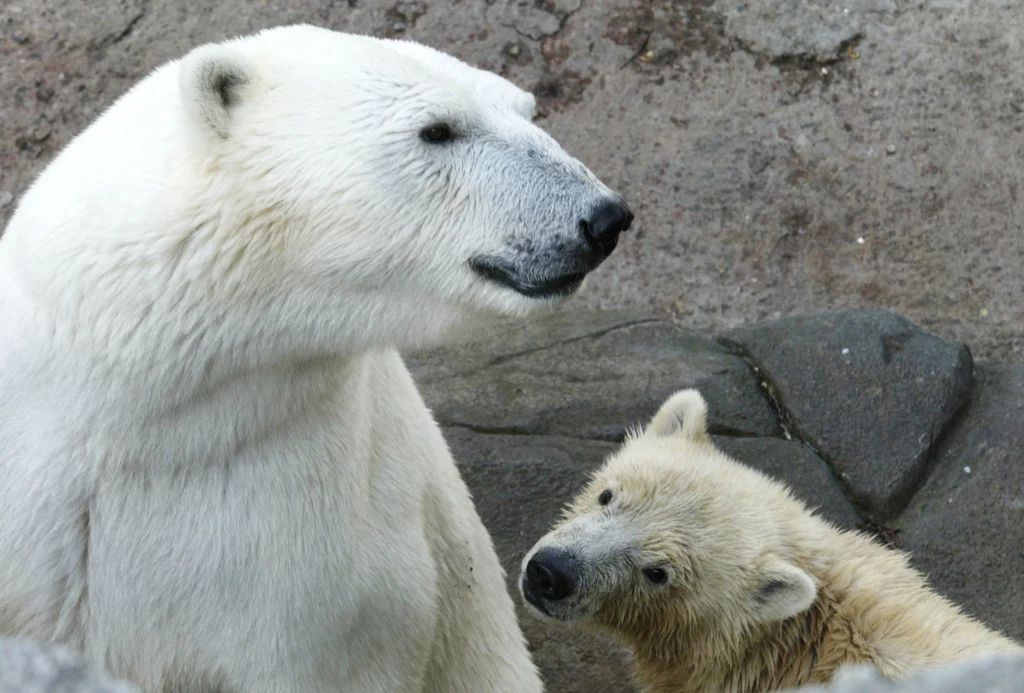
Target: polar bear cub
{"points": [[216, 473], [718, 579]]}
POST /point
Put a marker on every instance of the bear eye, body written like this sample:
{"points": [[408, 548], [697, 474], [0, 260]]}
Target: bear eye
{"points": [[438, 133], [605, 498], [656, 576]]}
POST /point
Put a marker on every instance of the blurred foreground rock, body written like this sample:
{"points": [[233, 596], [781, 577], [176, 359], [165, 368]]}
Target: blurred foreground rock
{"points": [[981, 676], [28, 667]]}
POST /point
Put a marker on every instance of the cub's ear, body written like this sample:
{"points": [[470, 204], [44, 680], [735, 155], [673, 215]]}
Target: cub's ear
{"points": [[213, 80], [684, 414], [782, 591]]}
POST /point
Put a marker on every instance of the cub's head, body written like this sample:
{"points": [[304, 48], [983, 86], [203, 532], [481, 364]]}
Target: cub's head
{"points": [[670, 537], [395, 174]]}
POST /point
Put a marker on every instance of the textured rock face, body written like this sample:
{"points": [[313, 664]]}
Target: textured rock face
{"points": [[871, 392], [805, 473], [817, 30], [965, 527], [27, 667], [519, 484]]}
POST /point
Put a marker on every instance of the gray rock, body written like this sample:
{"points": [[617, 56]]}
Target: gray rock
{"points": [[870, 391], [520, 484], [985, 675], [589, 375], [814, 29], [537, 20], [965, 527], [30, 667], [798, 467]]}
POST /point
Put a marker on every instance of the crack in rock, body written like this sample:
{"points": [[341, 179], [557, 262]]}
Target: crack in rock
{"points": [[787, 422], [114, 38]]}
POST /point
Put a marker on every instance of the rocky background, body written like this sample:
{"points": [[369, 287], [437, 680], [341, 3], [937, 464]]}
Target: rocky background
{"points": [[782, 156]]}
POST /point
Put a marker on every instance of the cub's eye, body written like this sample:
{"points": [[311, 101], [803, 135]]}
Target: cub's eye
{"points": [[605, 498], [437, 134], [656, 576]]}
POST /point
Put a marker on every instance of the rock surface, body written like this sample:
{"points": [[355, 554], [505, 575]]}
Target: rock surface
{"points": [[520, 484], [817, 30], [965, 527], [28, 667], [590, 378], [871, 392], [763, 184]]}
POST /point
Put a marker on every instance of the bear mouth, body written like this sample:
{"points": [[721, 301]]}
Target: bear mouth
{"points": [[529, 285]]}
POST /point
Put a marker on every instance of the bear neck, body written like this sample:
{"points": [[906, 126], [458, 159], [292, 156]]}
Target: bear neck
{"points": [[767, 657], [887, 614], [195, 305], [185, 331], [872, 608]]}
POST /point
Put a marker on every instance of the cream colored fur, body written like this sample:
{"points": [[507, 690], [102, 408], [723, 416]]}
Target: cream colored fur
{"points": [[761, 594]]}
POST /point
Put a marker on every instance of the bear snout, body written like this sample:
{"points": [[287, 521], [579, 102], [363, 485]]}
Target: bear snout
{"points": [[550, 576], [556, 267], [601, 228]]}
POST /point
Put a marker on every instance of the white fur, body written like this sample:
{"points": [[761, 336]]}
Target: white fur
{"points": [[215, 469]]}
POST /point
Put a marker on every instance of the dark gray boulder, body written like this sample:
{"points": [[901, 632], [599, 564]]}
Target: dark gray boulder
{"points": [[869, 390], [965, 527], [589, 375], [520, 485], [798, 467]]}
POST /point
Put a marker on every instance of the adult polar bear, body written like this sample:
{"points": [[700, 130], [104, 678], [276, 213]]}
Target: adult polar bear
{"points": [[215, 471]]}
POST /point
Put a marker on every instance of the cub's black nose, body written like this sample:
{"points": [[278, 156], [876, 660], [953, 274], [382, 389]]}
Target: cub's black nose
{"points": [[550, 576], [601, 228]]}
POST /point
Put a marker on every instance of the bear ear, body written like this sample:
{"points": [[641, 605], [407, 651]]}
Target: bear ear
{"points": [[684, 414], [212, 80], [528, 105], [783, 591]]}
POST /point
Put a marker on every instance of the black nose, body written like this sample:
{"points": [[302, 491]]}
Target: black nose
{"points": [[550, 576], [601, 228]]}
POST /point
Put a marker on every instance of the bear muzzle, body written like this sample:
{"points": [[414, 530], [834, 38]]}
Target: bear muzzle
{"points": [[550, 576], [559, 270]]}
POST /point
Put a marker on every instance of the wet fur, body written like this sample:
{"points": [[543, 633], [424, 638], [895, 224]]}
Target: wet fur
{"points": [[723, 529]]}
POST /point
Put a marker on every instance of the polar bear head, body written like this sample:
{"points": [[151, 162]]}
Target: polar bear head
{"points": [[402, 187], [672, 537]]}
